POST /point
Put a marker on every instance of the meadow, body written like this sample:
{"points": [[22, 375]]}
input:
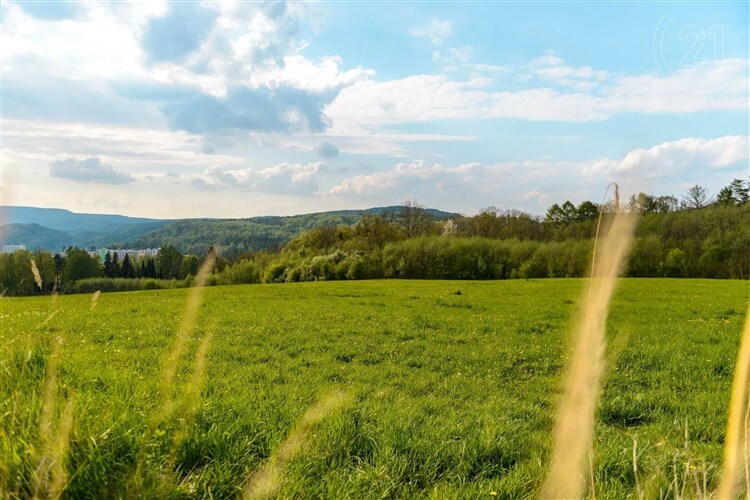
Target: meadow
{"points": [[441, 389]]}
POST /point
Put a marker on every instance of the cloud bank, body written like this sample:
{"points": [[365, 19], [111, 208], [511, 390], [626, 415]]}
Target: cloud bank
{"points": [[88, 170]]}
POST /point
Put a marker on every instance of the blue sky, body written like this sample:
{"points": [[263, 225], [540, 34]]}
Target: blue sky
{"points": [[234, 109]]}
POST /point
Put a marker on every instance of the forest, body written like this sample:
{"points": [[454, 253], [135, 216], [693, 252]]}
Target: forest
{"points": [[695, 237]]}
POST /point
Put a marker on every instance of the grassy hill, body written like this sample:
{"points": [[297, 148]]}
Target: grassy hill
{"points": [[404, 389]]}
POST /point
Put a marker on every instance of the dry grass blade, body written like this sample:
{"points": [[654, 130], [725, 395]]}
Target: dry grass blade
{"points": [[266, 480], [192, 394], [37, 276], [199, 370], [59, 452], [186, 327], [747, 452], [575, 423], [51, 315], [95, 299], [46, 431], [733, 448]]}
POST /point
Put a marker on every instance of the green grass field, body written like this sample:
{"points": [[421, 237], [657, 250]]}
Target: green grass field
{"points": [[446, 394]]}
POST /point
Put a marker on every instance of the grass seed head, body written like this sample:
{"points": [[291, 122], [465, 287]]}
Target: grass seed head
{"points": [[737, 425], [37, 276], [575, 421]]}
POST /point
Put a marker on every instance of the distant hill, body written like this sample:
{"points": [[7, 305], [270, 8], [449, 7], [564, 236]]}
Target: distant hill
{"points": [[65, 220], [35, 237], [54, 229]]}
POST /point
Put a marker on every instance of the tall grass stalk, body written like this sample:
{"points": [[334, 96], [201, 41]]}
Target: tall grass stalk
{"points": [[37, 276], [60, 451], [265, 481], [185, 329], [46, 420], [191, 399], [747, 451], [575, 423], [738, 408], [95, 299], [50, 315]]}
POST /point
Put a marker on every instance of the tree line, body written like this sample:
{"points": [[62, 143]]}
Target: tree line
{"points": [[77, 270], [693, 237]]}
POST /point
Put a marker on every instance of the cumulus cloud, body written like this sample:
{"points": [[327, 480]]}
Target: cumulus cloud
{"points": [[271, 110], [284, 178], [88, 170], [327, 150], [436, 31], [690, 158], [401, 176], [553, 69], [687, 154], [579, 94], [179, 32], [208, 67]]}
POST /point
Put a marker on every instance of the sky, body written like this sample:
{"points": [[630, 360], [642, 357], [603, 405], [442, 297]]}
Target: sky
{"points": [[236, 109]]}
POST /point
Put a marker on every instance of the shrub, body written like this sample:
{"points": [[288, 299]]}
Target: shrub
{"points": [[243, 272], [91, 285], [275, 273], [675, 265]]}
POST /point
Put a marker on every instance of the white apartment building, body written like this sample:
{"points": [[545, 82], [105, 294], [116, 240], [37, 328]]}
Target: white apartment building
{"points": [[13, 248]]}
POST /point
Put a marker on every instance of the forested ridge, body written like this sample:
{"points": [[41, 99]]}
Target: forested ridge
{"points": [[695, 238], [56, 230], [237, 236]]}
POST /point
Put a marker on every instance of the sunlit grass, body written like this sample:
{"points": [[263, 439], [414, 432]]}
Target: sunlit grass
{"points": [[455, 394]]}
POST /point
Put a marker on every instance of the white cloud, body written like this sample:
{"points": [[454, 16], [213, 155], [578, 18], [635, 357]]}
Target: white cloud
{"points": [[134, 149], [421, 98], [436, 31], [688, 153], [97, 45], [288, 178], [251, 49], [533, 184], [326, 149], [354, 141], [88, 170], [537, 196], [551, 68], [424, 98]]}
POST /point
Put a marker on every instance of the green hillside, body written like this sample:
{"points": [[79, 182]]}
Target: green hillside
{"points": [[236, 236], [54, 229]]}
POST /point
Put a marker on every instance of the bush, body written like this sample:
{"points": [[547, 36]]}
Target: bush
{"points": [[91, 285], [675, 265], [357, 270], [275, 273], [243, 272]]}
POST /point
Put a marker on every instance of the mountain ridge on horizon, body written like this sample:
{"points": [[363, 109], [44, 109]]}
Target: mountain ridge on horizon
{"points": [[54, 229], [376, 209]]}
